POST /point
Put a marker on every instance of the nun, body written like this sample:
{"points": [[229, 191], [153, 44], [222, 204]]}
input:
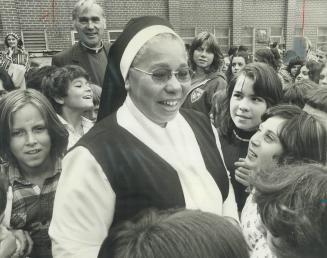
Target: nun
{"points": [[144, 151]]}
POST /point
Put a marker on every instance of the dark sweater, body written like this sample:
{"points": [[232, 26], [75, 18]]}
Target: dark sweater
{"points": [[233, 149]]}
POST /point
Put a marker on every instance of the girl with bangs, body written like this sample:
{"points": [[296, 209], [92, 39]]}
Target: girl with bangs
{"points": [[206, 61], [237, 115]]}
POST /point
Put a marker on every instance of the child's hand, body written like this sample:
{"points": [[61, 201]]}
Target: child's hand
{"points": [[243, 172], [25, 242], [8, 244]]}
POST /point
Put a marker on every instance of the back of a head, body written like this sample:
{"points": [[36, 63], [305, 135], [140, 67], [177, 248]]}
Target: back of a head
{"points": [[175, 234], [298, 92], [304, 137], [265, 55], [314, 70], [292, 205], [34, 80], [318, 99]]}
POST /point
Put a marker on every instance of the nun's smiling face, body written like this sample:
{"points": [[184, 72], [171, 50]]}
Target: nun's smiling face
{"points": [[159, 96]]}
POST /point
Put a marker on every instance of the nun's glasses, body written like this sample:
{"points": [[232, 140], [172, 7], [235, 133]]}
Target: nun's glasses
{"points": [[163, 75]]}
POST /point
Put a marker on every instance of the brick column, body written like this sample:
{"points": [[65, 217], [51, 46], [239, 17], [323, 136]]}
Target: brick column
{"points": [[174, 14], [290, 22], [237, 22]]}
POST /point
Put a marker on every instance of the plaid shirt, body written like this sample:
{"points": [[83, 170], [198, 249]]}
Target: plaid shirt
{"points": [[32, 208]]}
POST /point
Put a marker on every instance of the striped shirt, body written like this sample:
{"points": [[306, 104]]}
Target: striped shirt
{"points": [[32, 207]]}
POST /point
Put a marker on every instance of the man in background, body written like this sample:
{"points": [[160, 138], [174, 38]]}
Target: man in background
{"points": [[90, 52]]}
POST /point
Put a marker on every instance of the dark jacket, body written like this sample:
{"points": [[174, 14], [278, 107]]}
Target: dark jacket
{"points": [[76, 55], [200, 97]]}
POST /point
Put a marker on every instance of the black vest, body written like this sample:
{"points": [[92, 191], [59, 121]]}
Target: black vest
{"points": [[140, 178]]}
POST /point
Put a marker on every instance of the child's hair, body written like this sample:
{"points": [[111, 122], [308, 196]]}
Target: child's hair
{"points": [[234, 49], [292, 203], [18, 99], [316, 104], [267, 85], [212, 45], [181, 233], [318, 99], [314, 70], [35, 76], [238, 53], [293, 62], [297, 93], [302, 135], [266, 56], [57, 83]]}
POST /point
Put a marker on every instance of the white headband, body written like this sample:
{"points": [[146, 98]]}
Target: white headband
{"points": [[136, 43]]}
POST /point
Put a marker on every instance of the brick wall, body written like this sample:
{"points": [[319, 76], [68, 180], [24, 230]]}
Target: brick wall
{"points": [[17, 15], [206, 15]]}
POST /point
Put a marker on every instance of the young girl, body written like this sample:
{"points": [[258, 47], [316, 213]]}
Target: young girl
{"points": [[206, 62], [69, 92], [286, 135], [237, 61], [32, 142], [238, 115]]}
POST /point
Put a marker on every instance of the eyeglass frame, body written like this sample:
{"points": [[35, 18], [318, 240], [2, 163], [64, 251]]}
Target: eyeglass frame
{"points": [[169, 77]]}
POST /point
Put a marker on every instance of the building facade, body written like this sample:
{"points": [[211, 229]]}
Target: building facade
{"points": [[46, 25]]}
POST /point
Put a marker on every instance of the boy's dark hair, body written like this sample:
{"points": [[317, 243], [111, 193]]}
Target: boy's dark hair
{"points": [[292, 203], [35, 76], [170, 234], [56, 84]]}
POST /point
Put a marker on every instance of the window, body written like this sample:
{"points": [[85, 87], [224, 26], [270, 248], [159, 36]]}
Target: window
{"points": [[113, 35], [276, 35], [223, 38], [188, 34], [248, 39], [74, 36], [321, 36], [35, 40]]}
